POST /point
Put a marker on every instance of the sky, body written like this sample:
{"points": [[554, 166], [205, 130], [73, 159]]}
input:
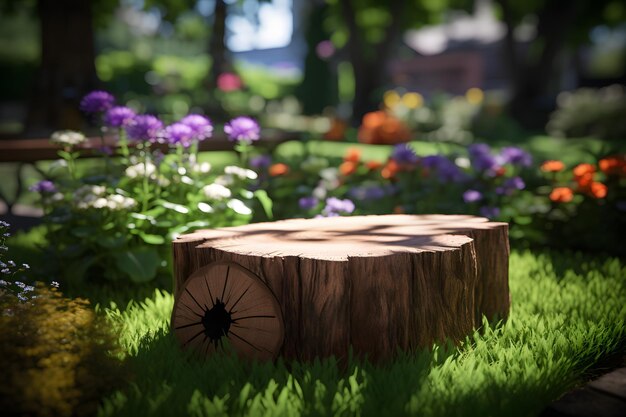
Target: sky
{"points": [[273, 28]]}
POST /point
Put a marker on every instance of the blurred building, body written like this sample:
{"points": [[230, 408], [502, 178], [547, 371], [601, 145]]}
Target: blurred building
{"points": [[465, 52]]}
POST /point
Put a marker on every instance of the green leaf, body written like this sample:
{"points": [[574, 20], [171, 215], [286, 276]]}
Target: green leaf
{"points": [[152, 239], [176, 207], [83, 231], [140, 264], [111, 242], [75, 272], [65, 155], [266, 203]]}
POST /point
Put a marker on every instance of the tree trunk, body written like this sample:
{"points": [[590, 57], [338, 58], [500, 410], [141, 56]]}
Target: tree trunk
{"points": [[375, 284], [369, 64], [531, 77], [67, 70], [217, 43]]}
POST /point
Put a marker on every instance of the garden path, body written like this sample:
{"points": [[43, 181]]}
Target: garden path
{"points": [[602, 397]]}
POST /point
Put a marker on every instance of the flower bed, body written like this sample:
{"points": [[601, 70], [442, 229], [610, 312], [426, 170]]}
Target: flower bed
{"points": [[112, 224]]}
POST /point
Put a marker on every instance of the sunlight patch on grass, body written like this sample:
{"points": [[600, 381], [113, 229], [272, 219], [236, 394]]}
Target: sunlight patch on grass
{"points": [[568, 311]]}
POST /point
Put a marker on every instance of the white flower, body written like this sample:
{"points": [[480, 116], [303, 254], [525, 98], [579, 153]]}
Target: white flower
{"points": [[56, 197], [67, 137], [203, 168], [329, 173], [141, 170], [462, 162], [100, 203], [94, 196], [216, 191], [239, 207], [242, 173], [225, 180]]}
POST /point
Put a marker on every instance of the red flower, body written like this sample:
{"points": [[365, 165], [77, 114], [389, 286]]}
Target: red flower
{"points": [[613, 165]]}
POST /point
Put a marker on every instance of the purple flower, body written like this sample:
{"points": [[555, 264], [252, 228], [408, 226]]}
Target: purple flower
{"points": [[201, 126], [335, 206], [44, 187], [404, 154], [97, 101], [367, 193], [260, 161], [307, 203], [144, 127], [481, 157], [515, 156], [479, 149], [243, 129], [179, 134], [446, 170], [510, 185], [489, 211], [118, 116], [471, 196]]}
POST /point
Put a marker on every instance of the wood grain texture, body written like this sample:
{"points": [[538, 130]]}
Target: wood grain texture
{"points": [[373, 283]]}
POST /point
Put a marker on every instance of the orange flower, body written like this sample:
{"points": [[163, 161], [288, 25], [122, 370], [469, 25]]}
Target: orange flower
{"points": [[390, 169], [347, 168], [373, 165], [613, 165], [583, 175], [585, 181], [278, 169], [552, 166], [597, 190], [562, 195], [381, 128], [352, 155], [337, 130], [374, 119], [393, 131], [582, 170]]}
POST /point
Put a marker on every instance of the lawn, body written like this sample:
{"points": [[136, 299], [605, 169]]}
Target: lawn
{"points": [[567, 313], [567, 319]]}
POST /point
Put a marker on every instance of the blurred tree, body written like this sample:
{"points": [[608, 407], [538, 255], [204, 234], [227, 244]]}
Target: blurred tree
{"points": [[216, 48], [318, 89], [559, 24], [369, 30], [66, 67]]}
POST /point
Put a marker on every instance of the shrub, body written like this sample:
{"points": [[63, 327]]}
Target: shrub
{"points": [[57, 356], [114, 224], [590, 112]]}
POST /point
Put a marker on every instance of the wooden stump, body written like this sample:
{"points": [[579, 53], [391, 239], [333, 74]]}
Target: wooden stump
{"points": [[314, 288]]}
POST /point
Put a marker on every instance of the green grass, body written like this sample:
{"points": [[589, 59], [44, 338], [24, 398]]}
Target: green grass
{"points": [[568, 313]]}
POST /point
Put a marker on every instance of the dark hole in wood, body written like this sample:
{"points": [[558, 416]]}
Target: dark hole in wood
{"points": [[216, 322]]}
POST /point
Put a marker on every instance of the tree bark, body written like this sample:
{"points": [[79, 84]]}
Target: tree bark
{"points": [[67, 70], [217, 43], [376, 284], [530, 77], [369, 65]]}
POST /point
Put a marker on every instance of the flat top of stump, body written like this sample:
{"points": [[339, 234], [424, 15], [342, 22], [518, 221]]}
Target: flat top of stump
{"points": [[338, 238]]}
